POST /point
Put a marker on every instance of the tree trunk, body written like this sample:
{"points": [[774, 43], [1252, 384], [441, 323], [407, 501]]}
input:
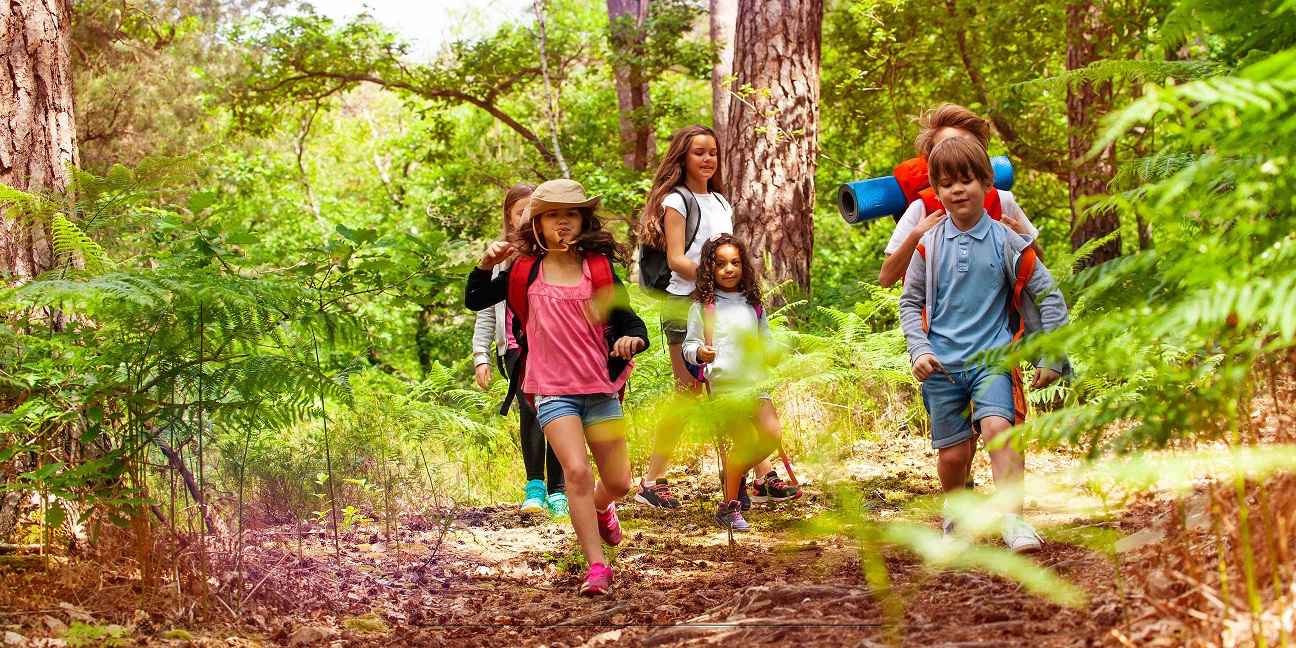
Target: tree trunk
{"points": [[772, 147], [1086, 103], [724, 16], [638, 137], [37, 131]]}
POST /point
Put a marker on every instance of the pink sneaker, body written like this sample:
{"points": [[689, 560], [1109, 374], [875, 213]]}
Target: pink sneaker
{"points": [[610, 526], [598, 580]]}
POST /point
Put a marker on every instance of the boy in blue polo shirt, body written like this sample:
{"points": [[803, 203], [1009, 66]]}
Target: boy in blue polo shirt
{"points": [[970, 274]]}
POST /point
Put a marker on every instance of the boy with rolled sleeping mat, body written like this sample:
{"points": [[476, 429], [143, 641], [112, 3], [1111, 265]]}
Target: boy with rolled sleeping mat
{"points": [[973, 286]]}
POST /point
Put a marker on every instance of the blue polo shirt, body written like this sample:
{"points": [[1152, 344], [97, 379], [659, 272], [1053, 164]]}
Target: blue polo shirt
{"points": [[972, 294]]}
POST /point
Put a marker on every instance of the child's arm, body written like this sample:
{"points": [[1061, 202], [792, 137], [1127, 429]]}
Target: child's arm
{"points": [[1043, 291], [482, 291], [913, 299], [483, 336], [629, 328], [694, 333], [893, 268]]}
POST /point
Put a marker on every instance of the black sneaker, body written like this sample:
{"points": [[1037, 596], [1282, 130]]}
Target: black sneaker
{"points": [[744, 497], [774, 489], [657, 496]]}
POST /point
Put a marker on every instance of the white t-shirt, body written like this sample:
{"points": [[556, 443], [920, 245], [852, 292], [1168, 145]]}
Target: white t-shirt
{"points": [[715, 216], [918, 209]]}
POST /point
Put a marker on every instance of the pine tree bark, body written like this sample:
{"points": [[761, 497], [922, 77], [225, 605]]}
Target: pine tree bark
{"points": [[772, 147], [37, 129], [1087, 30], [638, 136], [724, 16]]}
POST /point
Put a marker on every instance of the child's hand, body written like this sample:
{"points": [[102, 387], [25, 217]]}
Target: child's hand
{"points": [[1014, 224], [1044, 377], [495, 255], [706, 354], [929, 221], [483, 371], [626, 347], [924, 366]]}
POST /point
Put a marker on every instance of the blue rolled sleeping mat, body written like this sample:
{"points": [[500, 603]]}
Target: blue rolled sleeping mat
{"points": [[865, 200]]}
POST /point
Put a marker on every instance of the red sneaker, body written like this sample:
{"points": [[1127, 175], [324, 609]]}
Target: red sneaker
{"points": [[598, 580], [609, 527]]}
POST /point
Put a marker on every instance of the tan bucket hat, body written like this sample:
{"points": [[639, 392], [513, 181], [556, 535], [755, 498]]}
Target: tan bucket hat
{"points": [[556, 194]]}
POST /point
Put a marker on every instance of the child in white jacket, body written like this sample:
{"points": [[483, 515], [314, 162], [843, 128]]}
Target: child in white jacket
{"points": [[725, 336]]}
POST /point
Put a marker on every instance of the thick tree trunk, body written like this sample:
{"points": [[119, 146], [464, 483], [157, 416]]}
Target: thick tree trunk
{"points": [[772, 147], [638, 137], [37, 129], [724, 17], [1086, 103]]}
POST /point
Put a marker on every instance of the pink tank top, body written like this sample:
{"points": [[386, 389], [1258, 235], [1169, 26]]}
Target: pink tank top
{"points": [[567, 354]]}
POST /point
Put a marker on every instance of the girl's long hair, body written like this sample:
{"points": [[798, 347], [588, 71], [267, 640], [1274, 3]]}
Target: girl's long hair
{"points": [[511, 197], [749, 285], [594, 238], [670, 174]]}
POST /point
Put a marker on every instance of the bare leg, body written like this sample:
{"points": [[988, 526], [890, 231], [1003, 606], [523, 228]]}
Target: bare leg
{"points": [[953, 464], [667, 436], [567, 438], [607, 442], [744, 456], [1007, 465]]}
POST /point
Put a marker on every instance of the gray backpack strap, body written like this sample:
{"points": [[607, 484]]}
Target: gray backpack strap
{"points": [[692, 216]]}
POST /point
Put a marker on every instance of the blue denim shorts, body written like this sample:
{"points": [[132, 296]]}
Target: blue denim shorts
{"points": [[990, 391], [591, 408]]}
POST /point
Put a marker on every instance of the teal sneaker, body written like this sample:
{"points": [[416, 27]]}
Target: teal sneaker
{"points": [[535, 497], [558, 505]]}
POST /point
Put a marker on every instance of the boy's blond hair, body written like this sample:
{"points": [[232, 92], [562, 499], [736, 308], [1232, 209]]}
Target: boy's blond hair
{"points": [[959, 157], [949, 116]]}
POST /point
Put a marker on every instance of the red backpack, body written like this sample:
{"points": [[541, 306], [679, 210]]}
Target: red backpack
{"points": [[913, 179]]}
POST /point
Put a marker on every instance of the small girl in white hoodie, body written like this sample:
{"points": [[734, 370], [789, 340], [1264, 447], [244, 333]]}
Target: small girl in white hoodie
{"points": [[726, 335]]}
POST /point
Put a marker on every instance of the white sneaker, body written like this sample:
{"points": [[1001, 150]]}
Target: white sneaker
{"points": [[1019, 535]]}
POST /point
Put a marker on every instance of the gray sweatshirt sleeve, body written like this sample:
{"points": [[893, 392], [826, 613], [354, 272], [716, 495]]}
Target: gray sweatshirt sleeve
{"points": [[694, 334], [1043, 291], [913, 299], [483, 335]]}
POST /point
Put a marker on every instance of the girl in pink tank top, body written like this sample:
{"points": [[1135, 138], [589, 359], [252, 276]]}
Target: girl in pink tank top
{"points": [[577, 336]]}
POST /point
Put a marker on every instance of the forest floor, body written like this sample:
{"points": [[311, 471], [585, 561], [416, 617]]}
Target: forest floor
{"points": [[495, 578]]}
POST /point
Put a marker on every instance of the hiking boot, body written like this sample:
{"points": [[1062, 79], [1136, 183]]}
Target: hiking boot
{"points": [[773, 488], [558, 505], [535, 497], [657, 496], [609, 526], [744, 497], [598, 580], [730, 517], [1019, 535]]}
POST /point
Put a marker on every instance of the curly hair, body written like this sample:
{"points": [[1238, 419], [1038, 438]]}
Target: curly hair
{"points": [[949, 115], [670, 174], [594, 238], [749, 285]]}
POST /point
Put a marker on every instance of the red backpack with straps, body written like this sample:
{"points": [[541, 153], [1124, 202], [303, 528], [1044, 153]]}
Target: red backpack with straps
{"points": [[914, 182], [1015, 323]]}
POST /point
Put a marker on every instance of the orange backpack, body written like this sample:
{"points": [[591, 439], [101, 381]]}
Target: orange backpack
{"points": [[913, 180]]}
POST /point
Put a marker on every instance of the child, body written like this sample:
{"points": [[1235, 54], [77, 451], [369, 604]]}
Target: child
{"points": [[724, 322], [955, 306], [576, 339], [493, 325], [686, 187], [938, 124]]}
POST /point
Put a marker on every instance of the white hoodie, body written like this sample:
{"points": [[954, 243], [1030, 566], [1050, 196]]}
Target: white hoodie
{"points": [[738, 337]]}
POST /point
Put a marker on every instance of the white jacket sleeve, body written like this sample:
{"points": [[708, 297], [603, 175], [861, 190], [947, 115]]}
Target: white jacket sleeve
{"points": [[694, 334], [483, 336]]}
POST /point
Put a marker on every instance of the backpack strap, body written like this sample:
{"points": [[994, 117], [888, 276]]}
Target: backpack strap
{"points": [[521, 275], [1024, 271], [692, 215], [708, 323], [994, 204]]}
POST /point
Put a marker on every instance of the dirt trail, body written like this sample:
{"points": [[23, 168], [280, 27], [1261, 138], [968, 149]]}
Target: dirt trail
{"points": [[499, 579]]}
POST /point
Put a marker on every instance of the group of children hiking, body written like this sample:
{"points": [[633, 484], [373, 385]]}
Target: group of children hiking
{"points": [[565, 335]]}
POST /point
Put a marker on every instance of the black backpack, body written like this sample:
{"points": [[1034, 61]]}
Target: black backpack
{"points": [[654, 271]]}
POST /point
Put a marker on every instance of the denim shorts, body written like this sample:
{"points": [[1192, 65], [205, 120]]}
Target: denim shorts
{"points": [[591, 408], [990, 391], [674, 317]]}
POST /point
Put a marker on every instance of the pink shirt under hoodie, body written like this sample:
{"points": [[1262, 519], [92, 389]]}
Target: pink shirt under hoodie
{"points": [[567, 354]]}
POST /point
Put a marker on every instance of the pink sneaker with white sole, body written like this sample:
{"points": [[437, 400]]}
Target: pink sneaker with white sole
{"points": [[609, 526]]}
